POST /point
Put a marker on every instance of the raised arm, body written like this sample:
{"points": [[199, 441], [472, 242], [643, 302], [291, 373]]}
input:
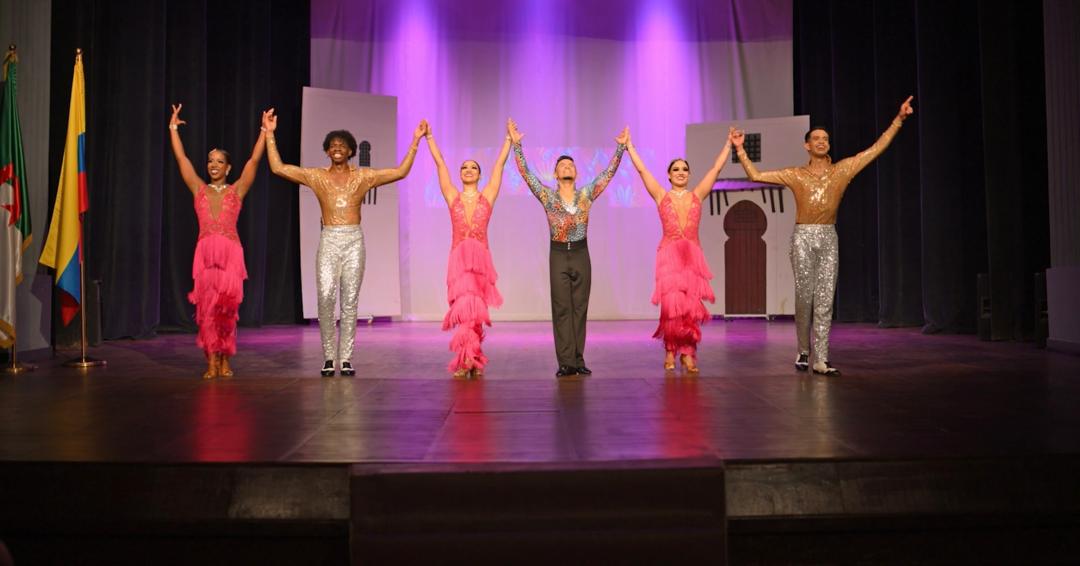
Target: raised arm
{"points": [[247, 176], [187, 171], [778, 177], [449, 192], [859, 161], [290, 172], [704, 187], [386, 176], [594, 189], [538, 189], [491, 189], [651, 185]]}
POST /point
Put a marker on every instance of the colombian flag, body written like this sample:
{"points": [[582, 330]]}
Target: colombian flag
{"points": [[63, 246]]}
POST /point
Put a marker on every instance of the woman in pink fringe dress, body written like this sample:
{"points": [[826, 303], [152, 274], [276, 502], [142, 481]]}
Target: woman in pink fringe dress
{"points": [[470, 273], [682, 275], [218, 270]]}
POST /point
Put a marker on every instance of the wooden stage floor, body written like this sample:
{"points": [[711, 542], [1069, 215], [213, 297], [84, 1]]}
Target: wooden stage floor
{"points": [[902, 395]]}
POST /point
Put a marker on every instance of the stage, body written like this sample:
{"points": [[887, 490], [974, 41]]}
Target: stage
{"points": [[902, 394], [917, 426]]}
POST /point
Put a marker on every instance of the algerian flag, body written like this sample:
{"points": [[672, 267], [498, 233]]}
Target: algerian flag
{"points": [[14, 206]]}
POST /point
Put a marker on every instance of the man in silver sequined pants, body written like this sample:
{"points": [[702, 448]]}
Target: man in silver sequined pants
{"points": [[339, 270]]}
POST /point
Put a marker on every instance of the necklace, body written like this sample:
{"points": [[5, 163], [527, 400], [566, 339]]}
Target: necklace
{"points": [[470, 195], [218, 188], [680, 193]]}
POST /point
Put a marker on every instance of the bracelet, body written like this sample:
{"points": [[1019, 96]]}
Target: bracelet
{"points": [[263, 128], [174, 127]]}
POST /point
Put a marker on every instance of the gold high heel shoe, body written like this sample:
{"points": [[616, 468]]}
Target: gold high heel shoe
{"points": [[224, 370], [688, 363], [212, 369], [461, 373], [669, 362]]}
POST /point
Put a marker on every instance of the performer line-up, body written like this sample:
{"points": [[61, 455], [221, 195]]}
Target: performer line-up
{"points": [[682, 276]]}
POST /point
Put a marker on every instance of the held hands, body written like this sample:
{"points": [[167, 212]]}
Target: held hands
{"points": [[906, 109], [175, 122], [512, 131], [736, 137], [421, 130], [624, 136], [269, 121]]}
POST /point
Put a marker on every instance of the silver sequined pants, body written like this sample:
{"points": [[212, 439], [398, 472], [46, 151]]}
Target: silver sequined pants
{"points": [[815, 258], [339, 267]]}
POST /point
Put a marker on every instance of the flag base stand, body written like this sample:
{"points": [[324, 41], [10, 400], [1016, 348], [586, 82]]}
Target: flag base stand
{"points": [[84, 362], [16, 368]]}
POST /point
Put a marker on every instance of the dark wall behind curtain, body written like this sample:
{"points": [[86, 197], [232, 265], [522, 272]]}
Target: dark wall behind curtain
{"points": [[226, 62], [962, 189]]}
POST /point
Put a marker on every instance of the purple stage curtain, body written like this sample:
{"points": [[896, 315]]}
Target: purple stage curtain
{"points": [[572, 73]]}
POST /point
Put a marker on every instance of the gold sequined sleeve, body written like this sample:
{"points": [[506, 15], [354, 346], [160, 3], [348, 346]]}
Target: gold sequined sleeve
{"points": [[778, 177], [852, 165], [290, 172]]}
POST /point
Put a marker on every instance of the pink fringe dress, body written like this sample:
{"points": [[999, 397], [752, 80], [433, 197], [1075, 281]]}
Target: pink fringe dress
{"points": [[470, 285], [682, 279], [219, 273]]}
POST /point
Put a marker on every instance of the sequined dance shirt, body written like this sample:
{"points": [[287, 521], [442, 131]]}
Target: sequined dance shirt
{"points": [[340, 204], [817, 197], [569, 222]]}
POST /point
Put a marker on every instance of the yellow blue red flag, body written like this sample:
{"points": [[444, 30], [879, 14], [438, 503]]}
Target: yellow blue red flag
{"points": [[63, 246]]}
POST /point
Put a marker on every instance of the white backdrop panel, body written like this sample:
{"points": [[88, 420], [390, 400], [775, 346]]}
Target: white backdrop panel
{"points": [[781, 146]]}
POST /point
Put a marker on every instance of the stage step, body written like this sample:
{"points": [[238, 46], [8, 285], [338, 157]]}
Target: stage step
{"points": [[83, 513], [643, 512], [978, 511], [702, 511]]}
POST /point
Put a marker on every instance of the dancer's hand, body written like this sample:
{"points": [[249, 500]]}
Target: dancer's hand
{"points": [[906, 109], [512, 130], [269, 121], [175, 120], [624, 136], [737, 137]]}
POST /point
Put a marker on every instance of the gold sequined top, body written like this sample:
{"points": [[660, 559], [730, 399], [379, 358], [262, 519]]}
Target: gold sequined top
{"points": [[817, 196], [340, 203]]}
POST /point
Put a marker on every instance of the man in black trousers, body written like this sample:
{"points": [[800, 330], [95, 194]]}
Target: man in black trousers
{"points": [[567, 209]]}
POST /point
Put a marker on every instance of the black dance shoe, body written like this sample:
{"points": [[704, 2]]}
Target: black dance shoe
{"points": [[584, 370], [565, 371], [347, 369], [802, 363], [829, 369], [327, 369]]}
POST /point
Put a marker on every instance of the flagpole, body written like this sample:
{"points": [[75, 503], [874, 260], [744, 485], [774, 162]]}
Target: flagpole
{"points": [[83, 361], [15, 367]]}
